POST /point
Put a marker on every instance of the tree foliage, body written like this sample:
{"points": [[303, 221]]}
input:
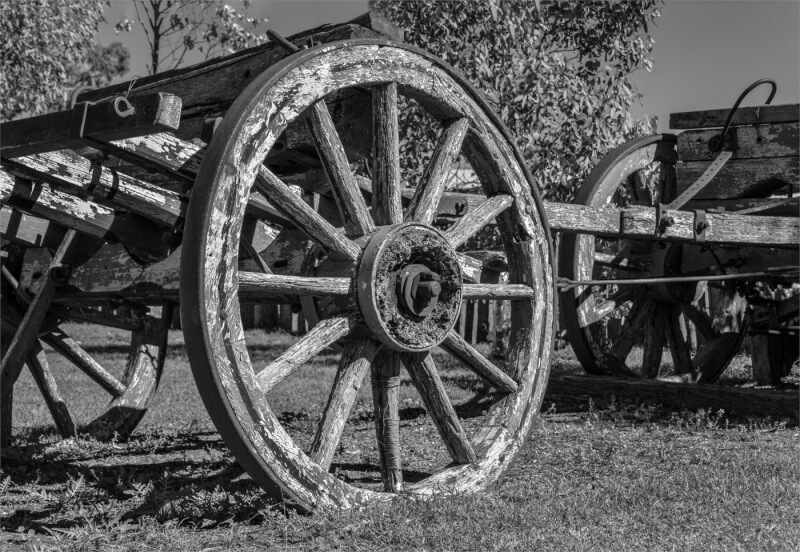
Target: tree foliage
{"points": [[559, 73], [176, 27], [102, 64], [41, 43]]}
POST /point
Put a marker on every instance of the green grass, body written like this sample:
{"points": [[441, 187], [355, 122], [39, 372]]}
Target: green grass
{"points": [[628, 476]]}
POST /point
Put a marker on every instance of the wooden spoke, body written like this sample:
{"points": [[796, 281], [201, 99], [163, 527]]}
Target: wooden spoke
{"points": [[354, 212], [654, 340], [627, 263], [386, 405], [263, 286], [511, 292], [471, 268], [426, 197], [306, 219], [477, 218], [73, 352], [40, 369], [680, 346], [707, 365], [321, 336], [475, 361], [251, 251], [26, 333], [356, 359], [631, 329], [386, 198], [426, 379], [701, 321], [613, 302]]}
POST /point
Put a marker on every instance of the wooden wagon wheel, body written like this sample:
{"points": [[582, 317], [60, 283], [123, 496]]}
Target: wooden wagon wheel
{"points": [[701, 343], [391, 284], [130, 395]]}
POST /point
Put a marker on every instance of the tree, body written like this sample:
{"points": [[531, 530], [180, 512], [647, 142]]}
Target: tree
{"points": [[102, 64], [176, 27], [558, 73], [41, 41]]}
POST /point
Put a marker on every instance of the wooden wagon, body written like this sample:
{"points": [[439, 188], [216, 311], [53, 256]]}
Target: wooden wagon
{"points": [[273, 175]]}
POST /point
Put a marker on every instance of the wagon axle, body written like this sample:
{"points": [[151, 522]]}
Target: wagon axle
{"points": [[419, 289]]}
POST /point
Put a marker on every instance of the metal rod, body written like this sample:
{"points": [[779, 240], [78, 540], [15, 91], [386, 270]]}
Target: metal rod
{"points": [[786, 331], [565, 284]]}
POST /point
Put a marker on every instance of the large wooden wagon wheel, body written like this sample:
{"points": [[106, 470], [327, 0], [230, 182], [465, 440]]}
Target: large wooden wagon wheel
{"points": [[387, 286], [130, 395], [677, 316]]}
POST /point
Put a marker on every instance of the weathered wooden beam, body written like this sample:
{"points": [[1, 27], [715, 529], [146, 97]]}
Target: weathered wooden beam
{"points": [[111, 271], [109, 119], [786, 113], [87, 217], [73, 172], [209, 88], [180, 159], [29, 231], [752, 142], [640, 223], [788, 207], [742, 178]]}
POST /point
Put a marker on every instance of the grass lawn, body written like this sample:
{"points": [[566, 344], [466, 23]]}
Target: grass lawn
{"points": [[628, 476]]}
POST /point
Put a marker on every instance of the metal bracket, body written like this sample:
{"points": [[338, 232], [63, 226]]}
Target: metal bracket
{"points": [[728, 142], [710, 172], [78, 119], [663, 221], [700, 225]]}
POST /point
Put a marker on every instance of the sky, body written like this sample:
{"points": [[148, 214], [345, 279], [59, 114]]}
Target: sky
{"points": [[706, 51]]}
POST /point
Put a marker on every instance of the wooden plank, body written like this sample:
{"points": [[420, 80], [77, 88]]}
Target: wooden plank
{"points": [[29, 231], [742, 178], [74, 172], [762, 141], [100, 121], [582, 219], [639, 222], [180, 160], [209, 88], [780, 209], [722, 228], [110, 271], [786, 113], [87, 217]]}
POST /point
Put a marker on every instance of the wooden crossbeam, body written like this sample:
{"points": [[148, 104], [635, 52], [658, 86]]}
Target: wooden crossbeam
{"points": [[109, 119], [640, 223], [87, 217]]}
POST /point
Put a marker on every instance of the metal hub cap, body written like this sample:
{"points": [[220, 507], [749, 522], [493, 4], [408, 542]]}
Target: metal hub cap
{"points": [[409, 287]]}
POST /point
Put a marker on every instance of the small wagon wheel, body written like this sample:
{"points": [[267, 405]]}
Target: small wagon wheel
{"points": [[388, 285], [678, 316], [130, 394]]}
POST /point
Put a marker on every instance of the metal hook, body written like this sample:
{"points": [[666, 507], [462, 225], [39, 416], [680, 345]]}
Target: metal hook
{"points": [[717, 143]]}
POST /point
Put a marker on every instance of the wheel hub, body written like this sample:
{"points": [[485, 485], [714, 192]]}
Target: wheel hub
{"points": [[409, 287]]}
